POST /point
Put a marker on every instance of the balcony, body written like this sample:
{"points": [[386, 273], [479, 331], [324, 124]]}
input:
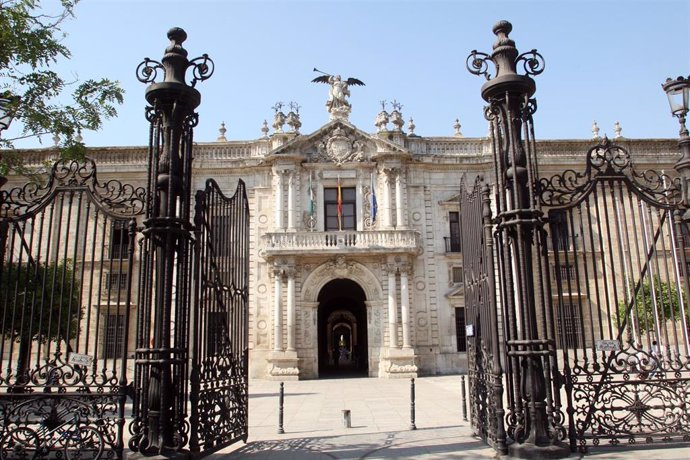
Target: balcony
{"points": [[344, 242]]}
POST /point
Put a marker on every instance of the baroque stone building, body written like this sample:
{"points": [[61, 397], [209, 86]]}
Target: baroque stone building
{"points": [[355, 256]]}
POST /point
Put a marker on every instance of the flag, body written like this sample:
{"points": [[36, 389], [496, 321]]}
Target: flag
{"points": [[374, 204], [340, 206], [311, 198]]}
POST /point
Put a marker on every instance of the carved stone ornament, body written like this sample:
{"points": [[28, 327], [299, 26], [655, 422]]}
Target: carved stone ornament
{"points": [[341, 148], [340, 267]]}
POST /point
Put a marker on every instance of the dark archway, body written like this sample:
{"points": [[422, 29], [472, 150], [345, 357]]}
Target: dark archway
{"points": [[342, 319]]}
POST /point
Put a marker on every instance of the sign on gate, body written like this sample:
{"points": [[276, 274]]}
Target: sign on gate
{"points": [[608, 345]]}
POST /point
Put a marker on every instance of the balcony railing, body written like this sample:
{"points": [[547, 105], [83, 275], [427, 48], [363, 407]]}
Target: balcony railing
{"points": [[383, 242]]}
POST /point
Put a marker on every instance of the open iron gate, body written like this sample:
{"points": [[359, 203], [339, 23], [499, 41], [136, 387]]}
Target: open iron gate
{"points": [[618, 257], [220, 337], [66, 269], [483, 347]]}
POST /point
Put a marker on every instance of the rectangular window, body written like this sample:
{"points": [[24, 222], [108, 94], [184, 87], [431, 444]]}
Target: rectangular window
{"points": [[348, 216], [559, 231], [453, 243], [119, 240], [456, 273], [563, 273], [460, 333], [114, 336], [568, 331], [115, 281], [216, 332]]}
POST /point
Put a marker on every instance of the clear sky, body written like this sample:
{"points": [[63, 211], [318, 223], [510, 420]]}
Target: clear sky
{"points": [[605, 61]]}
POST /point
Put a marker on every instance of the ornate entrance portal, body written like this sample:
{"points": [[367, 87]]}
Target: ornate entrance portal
{"points": [[342, 321]]}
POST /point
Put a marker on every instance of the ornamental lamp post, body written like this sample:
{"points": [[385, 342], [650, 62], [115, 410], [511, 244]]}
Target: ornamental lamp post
{"points": [[161, 369], [533, 420], [678, 92]]}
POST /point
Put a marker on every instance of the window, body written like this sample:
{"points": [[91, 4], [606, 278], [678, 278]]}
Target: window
{"points": [[119, 239], [114, 336], [568, 332], [330, 199], [456, 275], [460, 333], [563, 272], [216, 335], [453, 243], [115, 281], [222, 236], [559, 231]]}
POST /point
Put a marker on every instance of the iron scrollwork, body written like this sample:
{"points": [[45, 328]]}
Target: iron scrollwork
{"points": [[532, 62], [606, 161], [114, 196], [478, 64]]}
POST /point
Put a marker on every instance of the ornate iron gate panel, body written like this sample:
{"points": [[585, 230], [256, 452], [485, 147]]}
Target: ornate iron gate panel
{"points": [[220, 353], [618, 257], [483, 346], [66, 269]]}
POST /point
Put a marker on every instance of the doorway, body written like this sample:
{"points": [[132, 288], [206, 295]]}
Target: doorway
{"points": [[342, 322]]}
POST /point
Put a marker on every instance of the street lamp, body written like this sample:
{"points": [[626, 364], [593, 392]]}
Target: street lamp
{"points": [[678, 92]]}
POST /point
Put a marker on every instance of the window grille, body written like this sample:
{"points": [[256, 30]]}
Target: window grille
{"points": [[460, 333]]}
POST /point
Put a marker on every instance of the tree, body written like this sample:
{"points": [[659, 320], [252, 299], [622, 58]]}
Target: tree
{"points": [[40, 303], [646, 316], [30, 43]]}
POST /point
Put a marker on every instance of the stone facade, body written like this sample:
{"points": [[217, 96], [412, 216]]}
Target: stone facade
{"points": [[378, 290]]}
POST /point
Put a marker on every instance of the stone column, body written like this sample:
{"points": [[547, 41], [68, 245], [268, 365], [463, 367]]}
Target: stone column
{"points": [[405, 306], [392, 308], [291, 201], [386, 217], [279, 201], [277, 310], [398, 200], [291, 314]]}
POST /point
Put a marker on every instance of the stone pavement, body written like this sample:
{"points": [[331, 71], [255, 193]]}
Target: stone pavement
{"points": [[380, 423]]}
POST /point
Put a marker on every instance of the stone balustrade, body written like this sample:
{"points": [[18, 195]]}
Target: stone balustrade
{"points": [[337, 242]]}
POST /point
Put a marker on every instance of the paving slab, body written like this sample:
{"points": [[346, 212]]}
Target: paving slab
{"points": [[380, 423]]}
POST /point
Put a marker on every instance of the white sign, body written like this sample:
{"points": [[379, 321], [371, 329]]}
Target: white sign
{"points": [[77, 359], [469, 330], [608, 345]]}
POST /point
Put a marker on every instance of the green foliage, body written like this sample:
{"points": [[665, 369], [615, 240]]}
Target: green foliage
{"points": [[31, 42], [40, 302], [667, 305]]}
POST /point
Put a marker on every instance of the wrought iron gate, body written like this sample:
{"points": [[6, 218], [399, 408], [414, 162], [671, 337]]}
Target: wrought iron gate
{"points": [[618, 257], [483, 346], [66, 269], [220, 353]]}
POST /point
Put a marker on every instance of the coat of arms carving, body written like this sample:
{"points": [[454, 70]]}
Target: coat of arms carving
{"points": [[340, 148]]}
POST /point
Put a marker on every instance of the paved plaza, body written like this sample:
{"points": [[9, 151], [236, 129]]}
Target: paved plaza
{"points": [[380, 423]]}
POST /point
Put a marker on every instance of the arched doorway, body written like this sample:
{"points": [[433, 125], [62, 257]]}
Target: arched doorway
{"points": [[342, 320]]}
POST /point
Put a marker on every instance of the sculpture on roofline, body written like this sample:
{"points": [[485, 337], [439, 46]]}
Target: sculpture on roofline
{"points": [[338, 105]]}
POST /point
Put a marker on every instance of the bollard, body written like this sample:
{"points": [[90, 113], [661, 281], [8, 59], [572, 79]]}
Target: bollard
{"points": [[281, 399], [347, 421], [412, 424], [464, 398]]}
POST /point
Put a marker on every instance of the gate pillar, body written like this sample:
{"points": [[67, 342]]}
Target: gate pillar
{"points": [[530, 350], [161, 370]]}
